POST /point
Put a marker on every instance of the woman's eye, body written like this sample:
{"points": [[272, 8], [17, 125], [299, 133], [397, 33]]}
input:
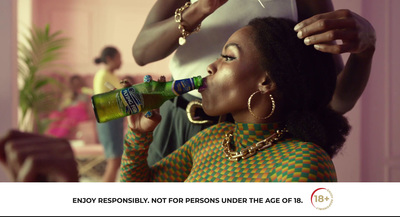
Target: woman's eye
{"points": [[227, 58]]}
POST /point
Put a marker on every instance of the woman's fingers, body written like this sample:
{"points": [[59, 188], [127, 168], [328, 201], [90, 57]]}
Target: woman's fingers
{"points": [[324, 20], [354, 33], [332, 35], [146, 121]]}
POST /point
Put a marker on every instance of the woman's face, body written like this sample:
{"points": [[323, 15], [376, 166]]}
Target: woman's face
{"points": [[115, 62], [77, 83], [233, 77]]}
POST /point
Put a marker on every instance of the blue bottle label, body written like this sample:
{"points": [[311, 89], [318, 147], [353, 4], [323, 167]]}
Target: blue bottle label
{"points": [[180, 87], [129, 101]]}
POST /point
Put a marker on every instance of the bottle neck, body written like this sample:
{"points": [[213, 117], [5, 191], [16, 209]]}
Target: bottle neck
{"points": [[182, 86]]}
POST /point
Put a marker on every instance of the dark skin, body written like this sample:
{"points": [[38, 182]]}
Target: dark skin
{"points": [[321, 26], [228, 86]]}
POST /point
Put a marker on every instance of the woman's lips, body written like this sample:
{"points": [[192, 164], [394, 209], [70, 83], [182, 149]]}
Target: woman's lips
{"points": [[204, 86]]}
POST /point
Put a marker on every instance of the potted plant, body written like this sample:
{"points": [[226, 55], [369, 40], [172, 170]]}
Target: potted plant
{"points": [[40, 52]]}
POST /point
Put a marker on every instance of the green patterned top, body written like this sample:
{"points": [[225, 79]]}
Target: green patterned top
{"points": [[201, 159]]}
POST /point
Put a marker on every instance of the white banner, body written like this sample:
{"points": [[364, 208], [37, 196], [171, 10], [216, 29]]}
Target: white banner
{"points": [[207, 199]]}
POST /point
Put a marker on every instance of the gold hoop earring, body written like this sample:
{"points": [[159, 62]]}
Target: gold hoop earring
{"points": [[272, 106]]}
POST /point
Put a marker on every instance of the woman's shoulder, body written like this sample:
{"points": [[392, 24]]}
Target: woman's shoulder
{"points": [[100, 74], [306, 161], [306, 152], [305, 148]]}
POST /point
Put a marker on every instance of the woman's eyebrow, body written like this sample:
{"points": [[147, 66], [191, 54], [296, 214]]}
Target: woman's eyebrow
{"points": [[232, 45]]}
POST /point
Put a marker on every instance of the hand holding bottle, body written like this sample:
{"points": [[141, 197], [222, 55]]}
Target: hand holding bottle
{"points": [[141, 97], [147, 121]]}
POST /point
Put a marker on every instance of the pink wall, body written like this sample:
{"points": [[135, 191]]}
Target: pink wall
{"points": [[348, 161], [8, 55], [374, 140], [381, 104], [8, 63], [93, 24]]}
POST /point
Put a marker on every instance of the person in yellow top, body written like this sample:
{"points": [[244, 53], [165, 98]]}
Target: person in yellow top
{"points": [[110, 134]]}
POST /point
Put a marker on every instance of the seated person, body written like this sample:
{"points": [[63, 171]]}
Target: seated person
{"points": [[278, 91], [73, 110]]}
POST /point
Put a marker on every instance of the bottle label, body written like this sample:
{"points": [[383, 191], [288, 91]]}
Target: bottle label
{"points": [[129, 101], [180, 87]]}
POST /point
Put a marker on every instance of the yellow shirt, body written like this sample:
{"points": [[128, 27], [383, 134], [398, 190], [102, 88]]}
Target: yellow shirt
{"points": [[102, 76]]}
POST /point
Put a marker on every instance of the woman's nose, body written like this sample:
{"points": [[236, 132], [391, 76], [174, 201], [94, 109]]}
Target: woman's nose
{"points": [[211, 69]]}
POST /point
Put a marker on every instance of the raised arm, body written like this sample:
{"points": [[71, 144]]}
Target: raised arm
{"points": [[159, 35], [322, 28], [175, 167], [134, 166]]}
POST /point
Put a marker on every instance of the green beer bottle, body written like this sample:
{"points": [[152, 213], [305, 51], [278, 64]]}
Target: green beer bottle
{"points": [[140, 97]]}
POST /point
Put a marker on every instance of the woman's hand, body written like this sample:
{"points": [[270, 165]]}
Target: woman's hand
{"points": [[147, 121], [33, 157], [355, 32]]}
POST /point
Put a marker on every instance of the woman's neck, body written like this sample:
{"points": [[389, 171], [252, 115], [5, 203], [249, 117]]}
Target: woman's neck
{"points": [[247, 118], [110, 69], [246, 134]]}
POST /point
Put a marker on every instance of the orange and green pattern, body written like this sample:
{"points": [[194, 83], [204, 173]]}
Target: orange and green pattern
{"points": [[201, 159]]}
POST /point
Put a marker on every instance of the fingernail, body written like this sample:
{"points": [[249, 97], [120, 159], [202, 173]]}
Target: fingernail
{"points": [[162, 78], [317, 47], [307, 41], [148, 114], [297, 27], [299, 34], [147, 78]]}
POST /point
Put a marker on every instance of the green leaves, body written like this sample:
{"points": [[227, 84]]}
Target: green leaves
{"points": [[39, 52]]}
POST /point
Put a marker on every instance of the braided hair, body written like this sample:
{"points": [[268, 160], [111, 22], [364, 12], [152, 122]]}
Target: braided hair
{"points": [[306, 79]]}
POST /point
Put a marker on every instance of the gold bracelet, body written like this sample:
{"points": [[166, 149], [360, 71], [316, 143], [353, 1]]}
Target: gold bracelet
{"points": [[178, 19]]}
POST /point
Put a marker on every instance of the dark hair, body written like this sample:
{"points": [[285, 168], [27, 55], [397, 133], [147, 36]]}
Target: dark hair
{"points": [[75, 77], [106, 52], [306, 79], [72, 86]]}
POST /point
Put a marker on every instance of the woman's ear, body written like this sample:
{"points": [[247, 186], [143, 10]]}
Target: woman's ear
{"points": [[266, 85]]}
